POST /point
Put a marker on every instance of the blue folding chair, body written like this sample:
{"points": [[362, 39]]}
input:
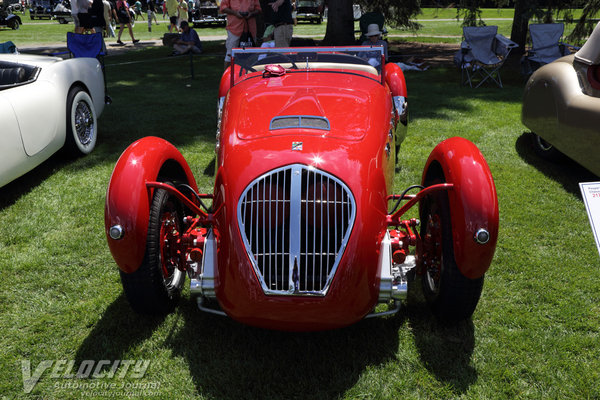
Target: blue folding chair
{"points": [[482, 53], [545, 46], [89, 45]]}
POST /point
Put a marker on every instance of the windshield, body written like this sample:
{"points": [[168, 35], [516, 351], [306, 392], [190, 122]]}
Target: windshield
{"points": [[361, 60]]}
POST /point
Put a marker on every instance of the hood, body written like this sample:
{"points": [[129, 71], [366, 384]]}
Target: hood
{"points": [[326, 111]]}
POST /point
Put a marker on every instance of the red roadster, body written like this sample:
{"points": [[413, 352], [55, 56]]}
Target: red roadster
{"points": [[301, 231]]}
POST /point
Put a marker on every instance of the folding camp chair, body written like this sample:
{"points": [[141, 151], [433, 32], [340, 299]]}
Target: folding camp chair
{"points": [[545, 46], [89, 45], [482, 53]]}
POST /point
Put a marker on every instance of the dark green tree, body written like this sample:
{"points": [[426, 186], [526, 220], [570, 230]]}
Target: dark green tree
{"points": [[585, 25], [539, 11], [340, 17]]}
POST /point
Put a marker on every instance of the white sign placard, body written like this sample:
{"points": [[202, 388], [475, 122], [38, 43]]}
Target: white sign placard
{"points": [[591, 198]]}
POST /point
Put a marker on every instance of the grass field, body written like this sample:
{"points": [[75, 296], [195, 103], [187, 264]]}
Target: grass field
{"points": [[534, 335], [439, 24]]}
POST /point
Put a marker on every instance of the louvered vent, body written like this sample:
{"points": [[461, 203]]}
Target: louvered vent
{"points": [[295, 222], [299, 121]]}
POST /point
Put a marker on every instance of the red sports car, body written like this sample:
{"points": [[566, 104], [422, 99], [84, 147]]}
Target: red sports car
{"points": [[302, 231]]}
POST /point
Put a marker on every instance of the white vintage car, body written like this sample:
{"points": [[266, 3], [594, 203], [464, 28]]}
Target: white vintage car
{"points": [[46, 103]]}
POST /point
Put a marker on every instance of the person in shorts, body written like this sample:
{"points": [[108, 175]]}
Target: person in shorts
{"points": [[240, 17], [74, 15], [124, 19], [172, 10]]}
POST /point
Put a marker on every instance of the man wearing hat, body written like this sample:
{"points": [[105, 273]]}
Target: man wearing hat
{"points": [[374, 38]]}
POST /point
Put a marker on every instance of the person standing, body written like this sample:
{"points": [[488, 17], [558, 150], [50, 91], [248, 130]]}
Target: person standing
{"points": [[151, 14], [124, 19], [172, 11], [281, 17], [96, 12], [85, 19], [107, 18], [137, 9], [183, 12], [75, 16], [240, 18]]}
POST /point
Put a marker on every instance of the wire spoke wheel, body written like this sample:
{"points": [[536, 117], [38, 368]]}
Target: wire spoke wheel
{"points": [[84, 123], [82, 126], [451, 295], [155, 287], [169, 234], [433, 258]]}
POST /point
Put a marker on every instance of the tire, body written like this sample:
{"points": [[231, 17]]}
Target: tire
{"points": [[450, 295], [13, 24], [544, 149], [82, 124], [155, 288]]}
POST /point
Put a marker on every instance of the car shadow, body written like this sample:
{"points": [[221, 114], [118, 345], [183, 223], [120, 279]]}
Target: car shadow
{"points": [[228, 360], [564, 171], [445, 349], [14, 190]]}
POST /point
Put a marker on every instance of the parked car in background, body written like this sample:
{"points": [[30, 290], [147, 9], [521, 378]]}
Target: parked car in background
{"points": [[311, 11], [13, 6], [208, 14], [46, 103], [302, 231], [62, 12], [41, 9], [8, 19], [561, 106]]}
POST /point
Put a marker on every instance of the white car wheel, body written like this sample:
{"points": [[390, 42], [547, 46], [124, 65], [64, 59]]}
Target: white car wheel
{"points": [[82, 126]]}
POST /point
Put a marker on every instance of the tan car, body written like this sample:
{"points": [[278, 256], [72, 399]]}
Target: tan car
{"points": [[561, 106]]}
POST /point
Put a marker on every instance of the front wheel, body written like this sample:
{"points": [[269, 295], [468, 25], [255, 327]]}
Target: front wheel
{"points": [[450, 294], [82, 126], [13, 24], [155, 287]]}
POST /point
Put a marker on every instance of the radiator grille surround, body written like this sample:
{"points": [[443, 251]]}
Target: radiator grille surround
{"points": [[295, 222]]}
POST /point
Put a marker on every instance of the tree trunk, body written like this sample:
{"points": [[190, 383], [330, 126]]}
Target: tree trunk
{"points": [[520, 26], [340, 23]]}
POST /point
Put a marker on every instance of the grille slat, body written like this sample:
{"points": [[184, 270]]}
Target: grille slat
{"points": [[310, 217]]}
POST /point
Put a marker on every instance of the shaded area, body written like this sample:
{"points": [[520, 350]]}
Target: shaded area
{"points": [[564, 171], [230, 361], [445, 349]]}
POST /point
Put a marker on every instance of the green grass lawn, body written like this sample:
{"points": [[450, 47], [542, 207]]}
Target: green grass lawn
{"points": [[437, 24], [535, 333]]}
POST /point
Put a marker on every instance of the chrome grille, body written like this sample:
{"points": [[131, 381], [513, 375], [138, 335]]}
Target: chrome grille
{"points": [[295, 222]]}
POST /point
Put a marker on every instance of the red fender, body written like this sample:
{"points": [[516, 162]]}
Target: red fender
{"points": [[394, 77], [128, 199], [473, 201], [225, 83]]}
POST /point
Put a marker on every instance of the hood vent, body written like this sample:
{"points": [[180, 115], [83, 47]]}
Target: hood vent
{"points": [[299, 121]]}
